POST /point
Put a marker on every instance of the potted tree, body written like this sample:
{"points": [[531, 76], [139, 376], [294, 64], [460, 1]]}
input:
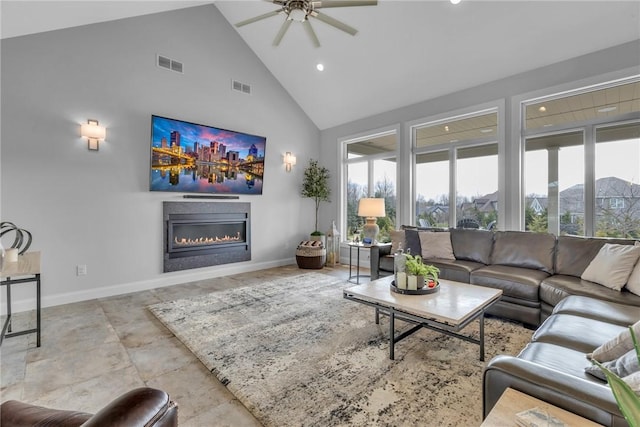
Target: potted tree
{"points": [[419, 273], [315, 185]]}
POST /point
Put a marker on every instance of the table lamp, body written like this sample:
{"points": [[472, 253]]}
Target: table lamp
{"points": [[370, 208]]}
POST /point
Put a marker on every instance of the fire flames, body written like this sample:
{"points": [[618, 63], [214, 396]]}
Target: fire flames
{"points": [[206, 240]]}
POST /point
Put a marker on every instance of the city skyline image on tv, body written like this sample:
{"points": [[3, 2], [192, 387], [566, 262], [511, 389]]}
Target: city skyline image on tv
{"points": [[193, 158]]}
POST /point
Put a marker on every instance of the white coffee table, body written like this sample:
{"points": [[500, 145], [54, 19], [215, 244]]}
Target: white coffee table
{"points": [[447, 311]]}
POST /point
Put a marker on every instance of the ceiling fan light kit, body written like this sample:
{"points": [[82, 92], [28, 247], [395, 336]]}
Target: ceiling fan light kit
{"points": [[302, 11]]}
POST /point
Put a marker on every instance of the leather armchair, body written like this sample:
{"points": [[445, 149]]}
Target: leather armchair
{"points": [[142, 407]]}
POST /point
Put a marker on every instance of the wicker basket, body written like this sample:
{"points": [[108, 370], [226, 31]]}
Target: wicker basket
{"points": [[311, 254]]}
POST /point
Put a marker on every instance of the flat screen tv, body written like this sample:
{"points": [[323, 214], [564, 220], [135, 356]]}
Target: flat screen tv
{"points": [[192, 158]]}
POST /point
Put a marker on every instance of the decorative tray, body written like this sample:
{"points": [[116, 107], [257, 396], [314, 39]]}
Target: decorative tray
{"points": [[423, 291]]}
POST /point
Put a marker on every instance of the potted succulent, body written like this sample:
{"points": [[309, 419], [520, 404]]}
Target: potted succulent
{"points": [[315, 185], [419, 273]]}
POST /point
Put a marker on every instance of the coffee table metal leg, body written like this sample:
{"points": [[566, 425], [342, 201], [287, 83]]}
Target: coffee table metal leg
{"points": [[377, 316], [482, 336], [392, 340]]}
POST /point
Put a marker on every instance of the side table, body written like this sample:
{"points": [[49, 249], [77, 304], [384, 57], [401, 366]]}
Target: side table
{"points": [[25, 270], [357, 276], [513, 401]]}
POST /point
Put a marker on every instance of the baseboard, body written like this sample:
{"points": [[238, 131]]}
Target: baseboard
{"points": [[169, 279]]}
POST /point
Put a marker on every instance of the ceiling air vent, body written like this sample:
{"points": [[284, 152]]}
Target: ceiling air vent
{"points": [[241, 87], [169, 64]]}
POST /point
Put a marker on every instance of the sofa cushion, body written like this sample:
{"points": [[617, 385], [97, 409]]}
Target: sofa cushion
{"points": [[593, 308], [633, 284], [560, 359], [576, 332], [457, 270], [413, 242], [573, 254], [524, 249], [616, 346], [633, 381], [436, 245], [516, 282], [623, 366], [472, 245], [612, 266], [557, 287]]}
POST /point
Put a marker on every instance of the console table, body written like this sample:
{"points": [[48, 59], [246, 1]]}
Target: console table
{"points": [[25, 270]]}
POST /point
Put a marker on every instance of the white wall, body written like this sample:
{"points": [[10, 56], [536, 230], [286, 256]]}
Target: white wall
{"points": [[94, 208], [616, 62]]}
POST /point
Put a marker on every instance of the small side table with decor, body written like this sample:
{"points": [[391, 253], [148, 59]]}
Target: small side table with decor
{"points": [[513, 402], [25, 270]]}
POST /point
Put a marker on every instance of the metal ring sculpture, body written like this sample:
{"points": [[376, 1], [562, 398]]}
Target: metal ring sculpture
{"points": [[21, 233]]}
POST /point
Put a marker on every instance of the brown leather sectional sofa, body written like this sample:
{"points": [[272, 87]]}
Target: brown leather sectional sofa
{"points": [[534, 270], [552, 366], [539, 275]]}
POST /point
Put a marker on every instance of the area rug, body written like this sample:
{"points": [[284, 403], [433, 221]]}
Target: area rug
{"points": [[296, 353]]}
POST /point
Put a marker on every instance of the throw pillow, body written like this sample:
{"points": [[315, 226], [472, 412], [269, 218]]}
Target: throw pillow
{"points": [[623, 366], [634, 382], [612, 265], [397, 241], [436, 245], [617, 346], [633, 284]]}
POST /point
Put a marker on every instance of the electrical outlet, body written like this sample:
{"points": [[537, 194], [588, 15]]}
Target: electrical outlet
{"points": [[81, 270]]}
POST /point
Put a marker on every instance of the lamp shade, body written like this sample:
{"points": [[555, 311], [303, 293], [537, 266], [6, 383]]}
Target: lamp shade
{"points": [[371, 207], [93, 130]]}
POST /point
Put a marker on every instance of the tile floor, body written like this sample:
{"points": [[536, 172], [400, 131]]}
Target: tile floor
{"points": [[93, 351]]}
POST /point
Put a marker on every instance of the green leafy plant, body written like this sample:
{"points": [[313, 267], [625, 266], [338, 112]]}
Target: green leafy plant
{"points": [[628, 401], [315, 185], [416, 267]]}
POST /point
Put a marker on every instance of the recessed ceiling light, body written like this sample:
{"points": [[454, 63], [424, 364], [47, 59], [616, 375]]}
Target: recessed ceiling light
{"points": [[547, 125], [455, 1], [319, 67], [486, 130], [454, 140], [542, 109], [446, 128], [607, 109]]}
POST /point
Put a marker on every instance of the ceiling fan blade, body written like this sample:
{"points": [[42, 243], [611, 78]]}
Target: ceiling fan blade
{"points": [[312, 34], [258, 18], [283, 29], [343, 3], [335, 23]]}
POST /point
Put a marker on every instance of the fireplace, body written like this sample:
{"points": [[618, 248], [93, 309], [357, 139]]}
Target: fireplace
{"points": [[205, 234]]}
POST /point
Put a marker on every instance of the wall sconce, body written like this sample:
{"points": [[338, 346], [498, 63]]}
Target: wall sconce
{"points": [[94, 133], [289, 160]]}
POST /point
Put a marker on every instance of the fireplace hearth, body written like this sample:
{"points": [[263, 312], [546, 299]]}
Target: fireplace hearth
{"points": [[203, 234]]}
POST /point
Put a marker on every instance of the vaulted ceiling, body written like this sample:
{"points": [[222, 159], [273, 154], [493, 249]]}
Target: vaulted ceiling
{"points": [[404, 52]]}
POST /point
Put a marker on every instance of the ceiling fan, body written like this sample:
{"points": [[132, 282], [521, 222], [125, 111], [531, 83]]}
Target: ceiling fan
{"points": [[303, 10]]}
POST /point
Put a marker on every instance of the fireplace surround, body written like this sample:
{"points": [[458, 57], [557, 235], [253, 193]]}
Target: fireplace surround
{"points": [[204, 234]]}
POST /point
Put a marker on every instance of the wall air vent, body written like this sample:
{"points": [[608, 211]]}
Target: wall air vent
{"points": [[241, 87], [169, 64]]}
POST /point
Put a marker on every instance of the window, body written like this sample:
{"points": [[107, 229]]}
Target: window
{"points": [[466, 145], [370, 165], [554, 183], [617, 184], [582, 162], [616, 203]]}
